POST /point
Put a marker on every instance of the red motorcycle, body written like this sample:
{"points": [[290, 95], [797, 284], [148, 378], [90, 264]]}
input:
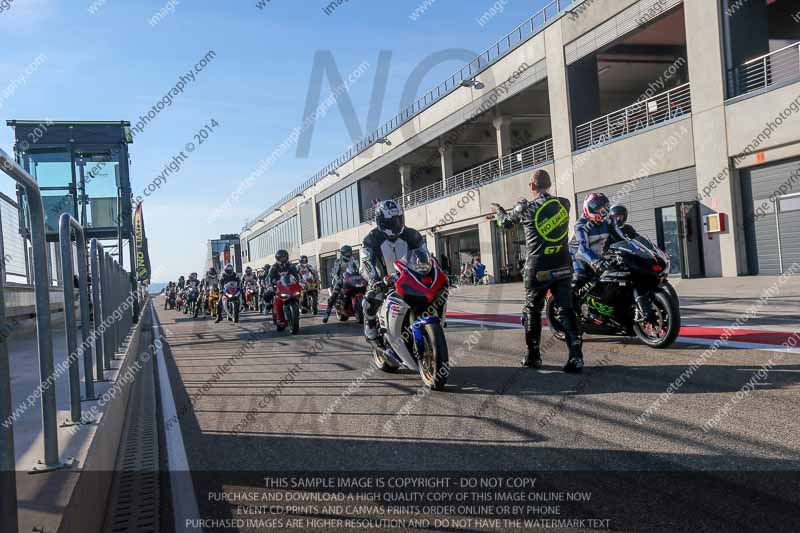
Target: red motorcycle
{"points": [[354, 286], [251, 297], [231, 301], [286, 306]]}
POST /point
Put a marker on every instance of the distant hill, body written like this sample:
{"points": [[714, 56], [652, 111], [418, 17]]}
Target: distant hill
{"points": [[156, 288]]}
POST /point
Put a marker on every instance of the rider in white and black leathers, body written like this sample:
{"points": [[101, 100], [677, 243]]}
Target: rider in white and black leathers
{"points": [[340, 266], [228, 276], [382, 246], [211, 280]]}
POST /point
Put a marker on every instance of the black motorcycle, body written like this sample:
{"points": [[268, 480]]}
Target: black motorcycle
{"points": [[631, 298]]}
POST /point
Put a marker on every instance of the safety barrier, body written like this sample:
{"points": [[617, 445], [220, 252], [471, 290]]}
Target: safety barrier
{"points": [[113, 308]]}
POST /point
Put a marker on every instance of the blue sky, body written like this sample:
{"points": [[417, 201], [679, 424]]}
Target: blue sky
{"points": [[113, 65]]}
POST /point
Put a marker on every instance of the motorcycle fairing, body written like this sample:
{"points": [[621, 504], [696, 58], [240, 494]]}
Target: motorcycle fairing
{"points": [[393, 314]]}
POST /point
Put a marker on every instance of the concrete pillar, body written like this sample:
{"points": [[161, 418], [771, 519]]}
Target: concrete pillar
{"points": [[560, 116], [486, 235], [405, 179], [503, 126], [446, 158], [703, 38]]}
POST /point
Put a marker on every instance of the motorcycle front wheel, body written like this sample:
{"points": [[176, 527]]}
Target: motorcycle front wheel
{"points": [[434, 362], [292, 311], [665, 325]]}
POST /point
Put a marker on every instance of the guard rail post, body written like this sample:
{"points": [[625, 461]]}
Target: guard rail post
{"points": [[8, 475], [41, 283], [98, 337], [66, 225]]}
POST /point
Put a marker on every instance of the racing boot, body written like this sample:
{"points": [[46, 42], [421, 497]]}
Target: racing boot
{"points": [[371, 329], [533, 335], [575, 343]]}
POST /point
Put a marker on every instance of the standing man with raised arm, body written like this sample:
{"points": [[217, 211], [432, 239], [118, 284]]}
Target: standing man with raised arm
{"points": [[548, 267]]}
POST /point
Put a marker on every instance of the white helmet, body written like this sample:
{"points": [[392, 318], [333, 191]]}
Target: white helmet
{"points": [[390, 218]]}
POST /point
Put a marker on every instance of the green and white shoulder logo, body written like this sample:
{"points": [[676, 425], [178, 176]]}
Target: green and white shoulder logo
{"points": [[552, 221]]}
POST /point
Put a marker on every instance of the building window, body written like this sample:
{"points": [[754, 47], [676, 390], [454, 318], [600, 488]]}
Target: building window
{"points": [[339, 212], [283, 236]]}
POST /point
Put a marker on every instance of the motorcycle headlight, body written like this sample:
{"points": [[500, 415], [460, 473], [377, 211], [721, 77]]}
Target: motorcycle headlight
{"points": [[422, 268]]}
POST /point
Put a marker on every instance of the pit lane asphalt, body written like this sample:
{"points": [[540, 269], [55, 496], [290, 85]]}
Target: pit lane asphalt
{"points": [[493, 416]]}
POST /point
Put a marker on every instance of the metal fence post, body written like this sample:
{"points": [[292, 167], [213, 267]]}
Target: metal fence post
{"points": [[69, 319], [98, 336], [42, 287], [8, 475], [68, 224]]}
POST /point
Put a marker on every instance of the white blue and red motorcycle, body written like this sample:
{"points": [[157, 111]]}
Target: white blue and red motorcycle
{"points": [[410, 333]]}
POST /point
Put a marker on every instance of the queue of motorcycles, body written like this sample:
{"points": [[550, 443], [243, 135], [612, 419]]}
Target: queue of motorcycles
{"points": [[632, 297]]}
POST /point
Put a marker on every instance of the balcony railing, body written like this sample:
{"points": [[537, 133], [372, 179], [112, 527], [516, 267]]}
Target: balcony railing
{"points": [[770, 69], [528, 157], [641, 115], [494, 53]]}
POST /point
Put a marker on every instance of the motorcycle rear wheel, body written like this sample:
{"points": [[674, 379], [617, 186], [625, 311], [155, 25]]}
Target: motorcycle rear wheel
{"points": [[668, 311], [382, 362], [434, 363]]}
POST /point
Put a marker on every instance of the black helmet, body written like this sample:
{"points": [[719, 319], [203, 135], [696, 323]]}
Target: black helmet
{"points": [[180, 278], [595, 207], [618, 214], [390, 218], [303, 259], [346, 251], [229, 268], [281, 256], [212, 271]]}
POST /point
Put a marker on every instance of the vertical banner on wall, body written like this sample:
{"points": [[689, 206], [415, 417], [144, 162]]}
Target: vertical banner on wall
{"points": [[142, 254]]}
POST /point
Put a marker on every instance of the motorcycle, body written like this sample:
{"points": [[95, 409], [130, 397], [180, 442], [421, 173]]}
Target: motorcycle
{"points": [[179, 301], [350, 300], [309, 300], [251, 297], [231, 301], [286, 304], [410, 330], [211, 301], [191, 301], [265, 298], [169, 301], [631, 298]]}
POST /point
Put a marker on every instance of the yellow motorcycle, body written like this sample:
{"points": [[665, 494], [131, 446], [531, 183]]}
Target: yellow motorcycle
{"points": [[309, 299], [211, 301]]}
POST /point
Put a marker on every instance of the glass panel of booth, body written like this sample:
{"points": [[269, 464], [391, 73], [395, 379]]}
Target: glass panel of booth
{"points": [[98, 176], [52, 170]]}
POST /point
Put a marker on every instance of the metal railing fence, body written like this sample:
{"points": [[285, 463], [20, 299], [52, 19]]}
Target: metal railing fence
{"points": [[491, 55], [15, 251], [639, 116], [528, 157], [770, 69], [113, 306]]}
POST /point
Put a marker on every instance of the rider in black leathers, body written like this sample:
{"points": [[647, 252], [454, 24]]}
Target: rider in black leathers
{"points": [[547, 268], [228, 275], [382, 246], [337, 277]]}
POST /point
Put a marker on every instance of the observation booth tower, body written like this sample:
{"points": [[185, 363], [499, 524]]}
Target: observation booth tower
{"points": [[82, 168]]}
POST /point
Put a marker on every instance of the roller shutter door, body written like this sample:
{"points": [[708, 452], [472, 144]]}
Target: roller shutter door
{"points": [[771, 198], [642, 199]]}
